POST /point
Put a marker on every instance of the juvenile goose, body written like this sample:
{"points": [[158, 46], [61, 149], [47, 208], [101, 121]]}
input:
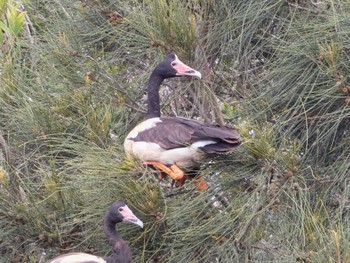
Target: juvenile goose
{"points": [[121, 253]]}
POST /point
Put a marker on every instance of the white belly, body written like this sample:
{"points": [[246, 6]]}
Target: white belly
{"points": [[147, 151]]}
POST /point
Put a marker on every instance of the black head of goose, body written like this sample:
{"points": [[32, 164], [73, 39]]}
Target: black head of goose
{"points": [[118, 212], [172, 143]]}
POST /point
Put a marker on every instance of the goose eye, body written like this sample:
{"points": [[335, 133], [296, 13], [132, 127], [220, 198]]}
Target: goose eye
{"points": [[173, 64], [120, 209]]}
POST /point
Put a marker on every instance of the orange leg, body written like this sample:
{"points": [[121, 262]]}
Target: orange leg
{"points": [[177, 175], [173, 171], [161, 176]]}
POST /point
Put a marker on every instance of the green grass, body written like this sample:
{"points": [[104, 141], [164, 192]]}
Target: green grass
{"points": [[72, 84]]}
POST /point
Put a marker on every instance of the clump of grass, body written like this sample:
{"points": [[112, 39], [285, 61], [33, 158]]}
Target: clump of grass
{"points": [[12, 23], [69, 97], [306, 71], [167, 24]]}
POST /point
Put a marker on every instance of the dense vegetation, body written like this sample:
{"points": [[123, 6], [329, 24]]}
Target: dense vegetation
{"points": [[72, 84]]}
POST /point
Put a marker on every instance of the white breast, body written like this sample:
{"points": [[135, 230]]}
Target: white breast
{"points": [[129, 145], [145, 125]]}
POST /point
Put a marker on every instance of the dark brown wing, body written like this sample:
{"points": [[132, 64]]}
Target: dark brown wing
{"points": [[173, 133]]}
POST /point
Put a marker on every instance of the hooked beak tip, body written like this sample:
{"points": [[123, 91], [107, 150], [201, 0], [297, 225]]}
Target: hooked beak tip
{"points": [[139, 223], [135, 221], [193, 73]]}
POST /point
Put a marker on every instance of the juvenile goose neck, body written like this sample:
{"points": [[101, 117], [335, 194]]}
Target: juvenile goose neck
{"points": [[120, 248], [153, 99], [111, 233]]}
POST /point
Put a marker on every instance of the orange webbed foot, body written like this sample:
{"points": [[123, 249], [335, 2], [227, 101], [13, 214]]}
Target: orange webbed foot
{"points": [[200, 183], [173, 171]]}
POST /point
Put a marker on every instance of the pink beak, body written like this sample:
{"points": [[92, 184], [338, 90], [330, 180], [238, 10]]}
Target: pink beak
{"points": [[183, 70]]}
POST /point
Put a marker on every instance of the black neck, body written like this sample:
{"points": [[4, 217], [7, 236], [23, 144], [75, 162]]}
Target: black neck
{"points": [[111, 233], [153, 95], [121, 252]]}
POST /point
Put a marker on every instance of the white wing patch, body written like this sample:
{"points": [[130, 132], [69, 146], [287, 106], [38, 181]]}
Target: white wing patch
{"points": [[199, 144]]}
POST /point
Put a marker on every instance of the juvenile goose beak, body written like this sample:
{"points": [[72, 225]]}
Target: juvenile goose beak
{"points": [[128, 216], [193, 73]]}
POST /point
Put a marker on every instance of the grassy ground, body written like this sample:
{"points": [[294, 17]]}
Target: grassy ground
{"points": [[72, 84]]}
